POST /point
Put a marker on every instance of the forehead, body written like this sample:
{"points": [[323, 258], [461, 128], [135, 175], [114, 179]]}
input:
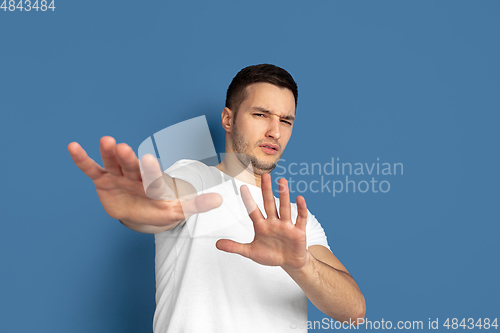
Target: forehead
{"points": [[267, 96]]}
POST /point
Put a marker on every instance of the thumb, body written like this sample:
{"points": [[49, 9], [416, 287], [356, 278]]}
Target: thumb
{"points": [[201, 203], [230, 246]]}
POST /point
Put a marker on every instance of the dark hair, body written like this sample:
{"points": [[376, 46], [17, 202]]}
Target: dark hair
{"points": [[236, 93]]}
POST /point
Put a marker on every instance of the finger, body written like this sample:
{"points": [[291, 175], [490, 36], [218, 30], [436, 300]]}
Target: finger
{"points": [[252, 208], [200, 204], [108, 155], [128, 162], [178, 210], [301, 213], [155, 186], [267, 194], [84, 162], [285, 207], [230, 246]]}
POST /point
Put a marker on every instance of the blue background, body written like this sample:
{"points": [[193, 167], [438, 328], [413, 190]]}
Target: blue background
{"points": [[415, 82]]}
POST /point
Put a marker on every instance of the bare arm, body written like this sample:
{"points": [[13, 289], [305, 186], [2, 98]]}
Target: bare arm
{"points": [[120, 186], [329, 286]]}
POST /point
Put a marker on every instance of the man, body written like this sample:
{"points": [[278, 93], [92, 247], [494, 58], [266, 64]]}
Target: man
{"points": [[205, 235]]}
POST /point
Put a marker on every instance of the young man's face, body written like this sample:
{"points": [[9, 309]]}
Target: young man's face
{"points": [[263, 125]]}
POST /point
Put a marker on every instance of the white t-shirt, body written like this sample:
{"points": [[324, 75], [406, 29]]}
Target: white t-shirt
{"points": [[200, 289]]}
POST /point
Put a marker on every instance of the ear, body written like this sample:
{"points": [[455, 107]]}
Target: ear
{"points": [[227, 117]]}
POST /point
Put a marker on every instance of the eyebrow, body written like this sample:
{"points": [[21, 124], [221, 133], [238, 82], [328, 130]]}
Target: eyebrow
{"points": [[264, 110]]}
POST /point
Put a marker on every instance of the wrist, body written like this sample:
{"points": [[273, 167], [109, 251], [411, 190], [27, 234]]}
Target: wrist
{"points": [[304, 269]]}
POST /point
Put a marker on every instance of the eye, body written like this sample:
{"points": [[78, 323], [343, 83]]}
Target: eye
{"points": [[286, 122], [259, 114]]}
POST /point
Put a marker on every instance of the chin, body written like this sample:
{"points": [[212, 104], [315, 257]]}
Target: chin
{"points": [[261, 166]]}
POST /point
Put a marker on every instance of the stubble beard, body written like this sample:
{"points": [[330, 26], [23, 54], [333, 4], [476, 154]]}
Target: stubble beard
{"points": [[240, 146]]}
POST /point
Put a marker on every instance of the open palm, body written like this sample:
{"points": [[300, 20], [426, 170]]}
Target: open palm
{"points": [[278, 241], [147, 198]]}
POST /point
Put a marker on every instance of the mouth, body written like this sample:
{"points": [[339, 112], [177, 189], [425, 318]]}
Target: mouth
{"points": [[269, 148]]}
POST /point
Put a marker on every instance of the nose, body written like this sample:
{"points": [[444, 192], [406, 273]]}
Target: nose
{"points": [[273, 130]]}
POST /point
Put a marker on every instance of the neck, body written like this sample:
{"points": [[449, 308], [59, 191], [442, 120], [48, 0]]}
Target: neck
{"points": [[233, 167]]}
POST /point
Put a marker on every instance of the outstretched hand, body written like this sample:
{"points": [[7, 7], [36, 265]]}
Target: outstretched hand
{"points": [[277, 241], [146, 200]]}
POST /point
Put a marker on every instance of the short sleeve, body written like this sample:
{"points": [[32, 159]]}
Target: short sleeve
{"points": [[315, 232], [189, 171]]}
